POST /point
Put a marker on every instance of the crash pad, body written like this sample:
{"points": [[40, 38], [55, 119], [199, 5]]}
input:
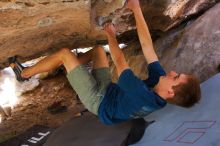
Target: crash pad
{"points": [[196, 126]]}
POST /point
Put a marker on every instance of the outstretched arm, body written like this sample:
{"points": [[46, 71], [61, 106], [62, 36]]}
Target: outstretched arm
{"points": [[116, 53], [143, 31]]}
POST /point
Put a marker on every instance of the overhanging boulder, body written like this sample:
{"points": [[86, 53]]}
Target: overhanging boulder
{"points": [[31, 28]]}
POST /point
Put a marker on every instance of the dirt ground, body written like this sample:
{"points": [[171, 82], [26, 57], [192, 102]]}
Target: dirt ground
{"points": [[32, 108]]}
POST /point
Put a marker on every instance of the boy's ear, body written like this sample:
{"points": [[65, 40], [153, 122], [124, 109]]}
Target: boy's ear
{"points": [[170, 93]]}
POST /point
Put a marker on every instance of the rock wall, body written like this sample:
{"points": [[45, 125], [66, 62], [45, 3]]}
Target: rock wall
{"points": [[194, 49], [31, 28]]}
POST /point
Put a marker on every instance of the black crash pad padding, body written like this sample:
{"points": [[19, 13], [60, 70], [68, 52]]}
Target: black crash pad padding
{"points": [[34, 136], [87, 130]]}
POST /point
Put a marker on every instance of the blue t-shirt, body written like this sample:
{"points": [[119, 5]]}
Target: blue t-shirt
{"points": [[131, 97]]}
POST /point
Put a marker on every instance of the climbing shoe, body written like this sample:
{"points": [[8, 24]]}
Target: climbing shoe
{"points": [[18, 68]]}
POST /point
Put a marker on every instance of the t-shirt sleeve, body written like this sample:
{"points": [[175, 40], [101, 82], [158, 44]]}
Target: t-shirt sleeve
{"points": [[129, 82], [155, 70]]}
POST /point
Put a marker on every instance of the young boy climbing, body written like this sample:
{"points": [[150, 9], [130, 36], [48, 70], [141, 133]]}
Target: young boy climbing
{"points": [[130, 97]]}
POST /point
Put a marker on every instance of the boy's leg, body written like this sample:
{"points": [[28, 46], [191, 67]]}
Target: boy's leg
{"points": [[63, 57], [69, 60], [90, 87], [97, 55], [81, 80], [101, 71]]}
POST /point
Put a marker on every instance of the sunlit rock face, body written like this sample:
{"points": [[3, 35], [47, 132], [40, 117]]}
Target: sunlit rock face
{"points": [[33, 28]]}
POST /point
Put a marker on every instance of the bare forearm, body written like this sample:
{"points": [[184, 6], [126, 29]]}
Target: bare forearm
{"points": [[144, 36], [117, 54]]}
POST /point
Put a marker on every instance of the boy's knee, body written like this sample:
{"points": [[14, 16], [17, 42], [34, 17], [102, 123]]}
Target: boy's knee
{"points": [[98, 49], [66, 55], [65, 51], [68, 59]]}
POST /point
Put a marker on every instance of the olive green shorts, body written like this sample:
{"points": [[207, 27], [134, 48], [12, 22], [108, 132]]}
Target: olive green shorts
{"points": [[90, 87]]}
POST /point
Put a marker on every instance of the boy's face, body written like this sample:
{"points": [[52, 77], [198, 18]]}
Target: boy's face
{"points": [[171, 79]]}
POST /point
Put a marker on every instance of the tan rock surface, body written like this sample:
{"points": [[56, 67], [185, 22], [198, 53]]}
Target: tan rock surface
{"points": [[31, 28]]}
